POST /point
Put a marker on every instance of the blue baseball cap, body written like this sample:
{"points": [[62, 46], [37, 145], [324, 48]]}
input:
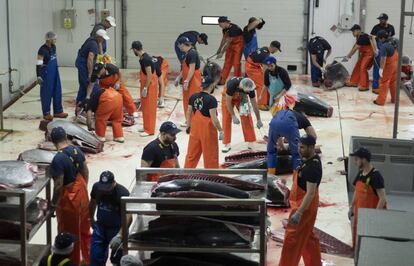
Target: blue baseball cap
{"points": [[307, 140], [270, 60], [57, 134], [183, 40], [169, 128]]}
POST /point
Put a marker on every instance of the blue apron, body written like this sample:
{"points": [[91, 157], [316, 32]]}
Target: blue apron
{"points": [[275, 87], [251, 46], [51, 87], [82, 66]]}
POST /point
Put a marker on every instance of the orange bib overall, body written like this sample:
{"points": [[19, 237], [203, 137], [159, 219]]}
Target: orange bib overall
{"points": [[255, 72], [194, 85], [127, 99], [109, 109], [232, 58], [359, 75], [149, 103], [170, 163], [388, 80], [164, 73]]}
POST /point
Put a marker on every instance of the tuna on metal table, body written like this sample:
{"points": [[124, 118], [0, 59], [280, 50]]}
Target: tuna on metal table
{"points": [[81, 137], [312, 105], [17, 174], [336, 76], [37, 156], [199, 259]]}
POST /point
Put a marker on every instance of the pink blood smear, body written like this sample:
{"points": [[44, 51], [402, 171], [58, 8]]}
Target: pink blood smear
{"points": [[326, 204]]}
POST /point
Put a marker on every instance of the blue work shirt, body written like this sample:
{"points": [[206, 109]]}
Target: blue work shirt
{"points": [[68, 162], [47, 53], [89, 46]]}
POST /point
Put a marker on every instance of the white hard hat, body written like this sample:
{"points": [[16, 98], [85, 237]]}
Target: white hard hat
{"points": [[102, 33], [111, 20]]}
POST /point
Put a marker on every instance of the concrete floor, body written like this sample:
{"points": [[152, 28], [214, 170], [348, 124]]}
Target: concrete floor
{"points": [[354, 114]]}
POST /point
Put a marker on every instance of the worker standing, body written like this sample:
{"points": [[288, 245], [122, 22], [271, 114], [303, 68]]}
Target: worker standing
{"points": [[148, 90], [250, 35], [85, 63], [382, 25], [106, 24], [194, 37], [162, 152], [61, 251], [254, 71], [48, 77], [202, 125], [161, 68], [365, 45], [317, 47], [106, 197], [70, 174], [232, 45], [300, 239], [191, 73], [369, 188], [388, 67], [236, 94]]}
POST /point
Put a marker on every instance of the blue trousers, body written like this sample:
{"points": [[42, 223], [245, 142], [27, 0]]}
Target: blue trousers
{"points": [[316, 73], [101, 237], [375, 71], [81, 65], [51, 88]]}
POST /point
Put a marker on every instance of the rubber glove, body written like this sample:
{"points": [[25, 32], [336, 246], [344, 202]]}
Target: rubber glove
{"points": [[351, 213], [221, 135], [177, 80], [381, 71], [116, 242], [236, 121], [135, 114], [259, 124], [271, 171], [161, 103], [144, 92], [39, 81], [295, 218], [185, 85], [219, 55]]}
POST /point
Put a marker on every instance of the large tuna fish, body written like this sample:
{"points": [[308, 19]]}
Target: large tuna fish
{"points": [[79, 136], [16, 174], [37, 156], [212, 70], [198, 259], [336, 76], [313, 106]]}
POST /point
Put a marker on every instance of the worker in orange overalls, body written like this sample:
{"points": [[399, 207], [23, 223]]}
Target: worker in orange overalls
{"points": [[203, 125], [161, 68], [191, 73], [388, 67], [231, 44], [148, 90], [300, 240], [365, 45], [255, 72], [369, 188], [236, 94], [70, 174]]}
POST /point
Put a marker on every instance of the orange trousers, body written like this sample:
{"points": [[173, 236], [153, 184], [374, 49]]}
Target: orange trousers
{"points": [[388, 80], [193, 87], [300, 240], [232, 59], [72, 213], [164, 74], [203, 140], [127, 99], [359, 75], [149, 103], [109, 109], [255, 72], [246, 121]]}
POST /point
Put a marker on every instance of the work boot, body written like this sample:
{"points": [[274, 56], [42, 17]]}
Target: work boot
{"points": [[375, 102], [48, 117], [375, 91], [363, 89], [263, 107], [349, 84], [316, 84], [161, 103], [102, 139], [141, 129], [119, 140], [226, 148], [145, 134], [222, 82], [184, 124]]}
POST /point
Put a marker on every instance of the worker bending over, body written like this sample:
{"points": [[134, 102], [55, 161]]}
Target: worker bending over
{"points": [[388, 67], [300, 239], [194, 37], [382, 25], [250, 35], [232, 45], [70, 174], [365, 45], [202, 125], [61, 251], [162, 152], [236, 94], [106, 197], [254, 71], [148, 90], [161, 68], [317, 47], [191, 73]]}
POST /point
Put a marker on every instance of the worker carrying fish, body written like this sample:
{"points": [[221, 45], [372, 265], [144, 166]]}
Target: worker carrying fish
{"points": [[239, 93], [254, 71], [191, 73], [388, 67], [276, 82], [250, 35], [300, 239], [106, 24], [85, 62], [317, 46], [70, 174], [107, 105], [161, 68], [369, 188], [148, 90], [61, 251], [48, 78], [162, 152], [232, 45], [202, 125], [365, 47], [105, 200], [382, 25]]}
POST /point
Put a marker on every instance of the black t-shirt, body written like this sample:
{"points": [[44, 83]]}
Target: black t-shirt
{"points": [[248, 35], [203, 102], [310, 171], [94, 101], [156, 152], [389, 29], [192, 36], [56, 259], [146, 61], [192, 57], [233, 31], [281, 73], [89, 46], [363, 39], [68, 162], [318, 45], [233, 87], [260, 55], [110, 69], [47, 53], [157, 61], [303, 121], [376, 180]]}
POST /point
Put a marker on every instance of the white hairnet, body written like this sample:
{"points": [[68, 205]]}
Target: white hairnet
{"points": [[50, 35], [247, 84]]}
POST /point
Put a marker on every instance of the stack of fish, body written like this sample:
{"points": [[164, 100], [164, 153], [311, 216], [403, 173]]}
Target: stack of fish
{"points": [[17, 174]]}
